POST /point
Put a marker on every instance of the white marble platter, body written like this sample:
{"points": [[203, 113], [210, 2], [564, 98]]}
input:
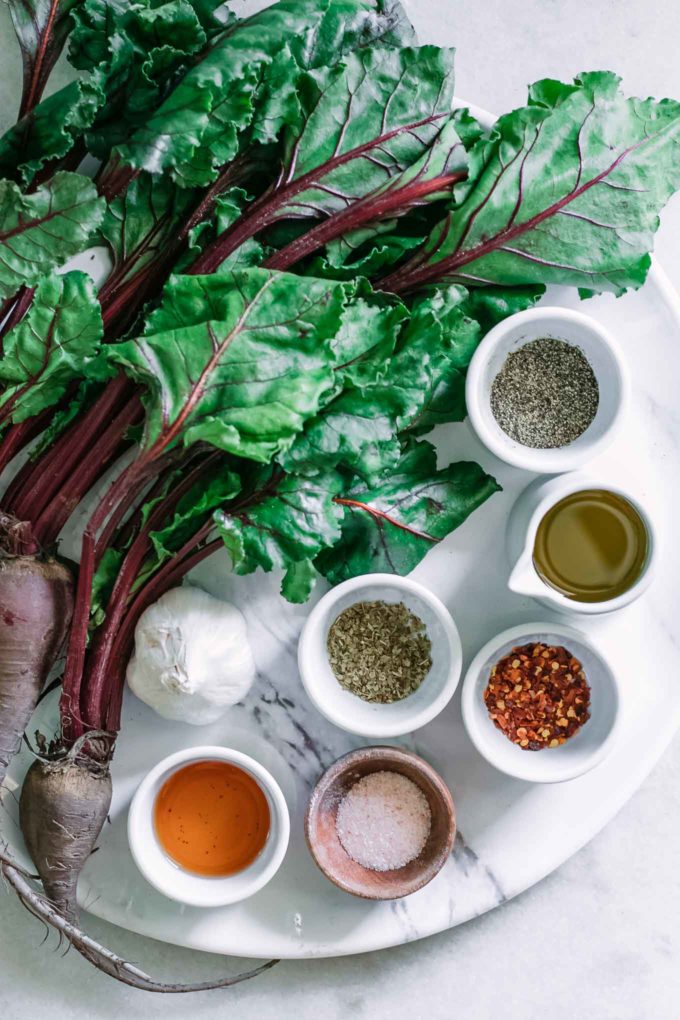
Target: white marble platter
{"points": [[511, 834]]}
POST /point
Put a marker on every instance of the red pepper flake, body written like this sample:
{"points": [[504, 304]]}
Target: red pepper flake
{"points": [[538, 696]]}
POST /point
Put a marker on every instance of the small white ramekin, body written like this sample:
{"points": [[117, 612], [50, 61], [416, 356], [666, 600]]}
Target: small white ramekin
{"points": [[604, 356], [205, 890], [582, 752], [350, 712]]}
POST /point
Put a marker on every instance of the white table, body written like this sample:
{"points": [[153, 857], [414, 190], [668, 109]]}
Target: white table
{"points": [[601, 937]]}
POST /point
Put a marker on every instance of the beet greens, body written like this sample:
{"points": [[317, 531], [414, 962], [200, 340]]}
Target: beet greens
{"points": [[589, 223], [40, 231], [360, 124]]}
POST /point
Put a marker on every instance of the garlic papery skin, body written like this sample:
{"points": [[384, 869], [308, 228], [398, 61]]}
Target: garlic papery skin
{"points": [[192, 659]]}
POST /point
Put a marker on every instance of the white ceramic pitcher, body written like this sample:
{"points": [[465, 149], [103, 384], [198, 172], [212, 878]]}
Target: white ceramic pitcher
{"points": [[525, 517]]}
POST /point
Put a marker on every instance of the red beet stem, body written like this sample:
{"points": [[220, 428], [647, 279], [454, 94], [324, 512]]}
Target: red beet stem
{"points": [[119, 494], [359, 214], [17, 438], [99, 457], [38, 68], [17, 311], [41, 480]]}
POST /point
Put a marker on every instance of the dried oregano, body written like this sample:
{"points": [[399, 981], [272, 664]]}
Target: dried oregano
{"points": [[379, 651]]}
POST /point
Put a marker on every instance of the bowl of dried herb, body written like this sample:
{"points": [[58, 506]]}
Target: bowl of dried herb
{"points": [[380, 655]]}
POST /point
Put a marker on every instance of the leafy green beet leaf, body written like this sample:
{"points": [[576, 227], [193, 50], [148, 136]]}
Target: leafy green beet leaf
{"points": [[368, 251], [129, 55], [40, 231], [197, 129], [285, 522], [365, 121], [226, 209], [299, 580], [570, 193], [213, 16], [136, 52], [105, 30], [51, 129], [419, 384], [356, 430], [490, 305], [455, 320], [391, 525], [140, 224], [51, 346], [363, 345], [348, 25], [192, 510], [375, 233], [239, 360], [41, 27]]}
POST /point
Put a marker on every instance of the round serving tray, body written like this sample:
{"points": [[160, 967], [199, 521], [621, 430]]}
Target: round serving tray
{"points": [[512, 833]]}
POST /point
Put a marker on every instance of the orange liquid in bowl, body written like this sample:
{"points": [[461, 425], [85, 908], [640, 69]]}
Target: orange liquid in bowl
{"points": [[212, 818]]}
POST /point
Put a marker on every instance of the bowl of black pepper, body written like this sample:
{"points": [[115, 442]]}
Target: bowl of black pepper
{"points": [[541, 703], [547, 389], [380, 655]]}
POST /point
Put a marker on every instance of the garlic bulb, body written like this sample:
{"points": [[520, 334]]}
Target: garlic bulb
{"points": [[192, 659]]}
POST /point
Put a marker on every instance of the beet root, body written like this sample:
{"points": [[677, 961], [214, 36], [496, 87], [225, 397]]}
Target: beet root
{"points": [[62, 809], [36, 605]]}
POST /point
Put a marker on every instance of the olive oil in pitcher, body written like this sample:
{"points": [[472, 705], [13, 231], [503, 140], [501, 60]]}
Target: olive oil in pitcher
{"points": [[592, 546]]}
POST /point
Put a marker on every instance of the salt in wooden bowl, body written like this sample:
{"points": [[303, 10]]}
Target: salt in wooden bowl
{"points": [[329, 853]]}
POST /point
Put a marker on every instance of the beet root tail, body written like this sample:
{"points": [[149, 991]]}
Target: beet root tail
{"points": [[99, 956], [62, 809], [36, 605]]}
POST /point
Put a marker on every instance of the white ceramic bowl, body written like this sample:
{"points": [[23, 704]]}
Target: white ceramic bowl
{"points": [[582, 752], [350, 712], [201, 890], [604, 356]]}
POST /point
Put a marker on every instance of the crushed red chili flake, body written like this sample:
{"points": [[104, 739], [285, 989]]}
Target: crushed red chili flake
{"points": [[538, 696]]}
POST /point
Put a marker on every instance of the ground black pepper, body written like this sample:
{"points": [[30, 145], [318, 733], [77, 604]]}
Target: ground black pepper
{"points": [[546, 394]]}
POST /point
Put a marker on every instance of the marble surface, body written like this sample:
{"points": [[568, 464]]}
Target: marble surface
{"points": [[606, 922]]}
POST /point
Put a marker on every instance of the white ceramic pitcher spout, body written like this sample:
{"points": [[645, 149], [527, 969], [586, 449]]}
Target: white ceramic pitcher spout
{"points": [[525, 517], [524, 579]]}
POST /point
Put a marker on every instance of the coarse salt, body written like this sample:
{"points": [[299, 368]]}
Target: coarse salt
{"points": [[383, 821]]}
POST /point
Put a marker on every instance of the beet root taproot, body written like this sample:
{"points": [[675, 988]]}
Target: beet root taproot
{"points": [[36, 605], [99, 956], [62, 809]]}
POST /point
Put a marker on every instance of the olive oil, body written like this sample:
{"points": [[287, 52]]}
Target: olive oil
{"points": [[592, 546]]}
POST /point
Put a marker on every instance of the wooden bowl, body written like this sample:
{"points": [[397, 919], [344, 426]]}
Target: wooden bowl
{"points": [[333, 859]]}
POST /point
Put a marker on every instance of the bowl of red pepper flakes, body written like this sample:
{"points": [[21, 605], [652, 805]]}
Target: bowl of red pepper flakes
{"points": [[543, 688], [538, 695]]}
